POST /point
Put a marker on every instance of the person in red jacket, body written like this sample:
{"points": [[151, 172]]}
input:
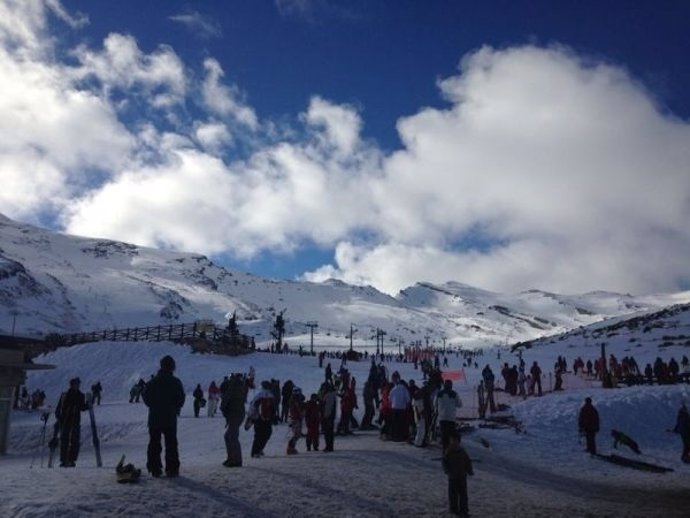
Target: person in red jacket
{"points": [[312, 418], [588, 422]]}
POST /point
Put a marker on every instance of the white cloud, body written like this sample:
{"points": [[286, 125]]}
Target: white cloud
{"points": [[543, 170], [223, 100], [122, 65], [341, 124], [200, 25], [567, 168], [212, 136]]}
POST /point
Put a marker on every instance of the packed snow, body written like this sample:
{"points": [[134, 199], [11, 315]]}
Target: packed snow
{"points": [[541, 470]]}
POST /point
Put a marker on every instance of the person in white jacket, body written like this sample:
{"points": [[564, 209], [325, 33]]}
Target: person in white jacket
{"points": [[447, 402]]}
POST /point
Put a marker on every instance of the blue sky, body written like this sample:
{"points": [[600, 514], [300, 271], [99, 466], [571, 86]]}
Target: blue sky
{"points": [[509, 145]]}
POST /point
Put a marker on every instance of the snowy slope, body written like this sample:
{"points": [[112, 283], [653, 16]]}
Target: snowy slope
{"points": [[542, 472], [51, 282]]}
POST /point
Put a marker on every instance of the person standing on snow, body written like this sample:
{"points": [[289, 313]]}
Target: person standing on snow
{"points": [[328, 410], [312, 418], [457, 465], [199, 400], [683, 428], [232, 406], [535, 371], [400, 399], [68, 414], [213, 398], [588, 422], [262, 408], [164, 395], [447, 402], [295, 417]]}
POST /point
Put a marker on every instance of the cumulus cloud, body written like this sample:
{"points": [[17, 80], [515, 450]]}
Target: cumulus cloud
{"points": [[566, 169], [544, 170]]}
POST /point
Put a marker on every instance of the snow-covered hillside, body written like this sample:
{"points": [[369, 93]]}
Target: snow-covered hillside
{"points": [[51, 282]]}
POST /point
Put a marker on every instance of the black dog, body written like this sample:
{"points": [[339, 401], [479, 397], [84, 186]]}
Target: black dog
{"points": [[620, 437]]}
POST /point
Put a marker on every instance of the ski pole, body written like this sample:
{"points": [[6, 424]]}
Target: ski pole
{"points": [[44, 418]]}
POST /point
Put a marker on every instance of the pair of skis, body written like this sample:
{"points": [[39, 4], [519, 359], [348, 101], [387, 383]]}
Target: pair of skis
{"points": [[55, 440]]}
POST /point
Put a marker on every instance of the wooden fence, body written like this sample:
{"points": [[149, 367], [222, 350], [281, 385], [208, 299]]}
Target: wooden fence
{"points": [[202, 336]]}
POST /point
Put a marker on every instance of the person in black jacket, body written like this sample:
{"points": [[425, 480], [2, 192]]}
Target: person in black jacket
{"points": [[164, 395], [232, 404], [68, 414], [457, 465]]}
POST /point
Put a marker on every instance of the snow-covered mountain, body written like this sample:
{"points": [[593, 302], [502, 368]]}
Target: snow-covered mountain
{"points": [[51, 282]]}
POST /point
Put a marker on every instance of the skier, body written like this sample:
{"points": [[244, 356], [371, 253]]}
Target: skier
{"points": [[447, 402], [457, 465], [199, 400], [683, 428], [262, 408], [588, 422], [232, 407], [164, 395], [68, 413]]}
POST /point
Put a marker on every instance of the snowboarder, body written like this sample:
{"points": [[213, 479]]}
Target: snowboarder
{"points": [[232, 407], [588, 422], [457, 465], [68, 413], [164, 395], [683, 428]]}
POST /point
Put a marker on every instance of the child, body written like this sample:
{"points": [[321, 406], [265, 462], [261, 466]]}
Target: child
{"points": [[457, 465]]}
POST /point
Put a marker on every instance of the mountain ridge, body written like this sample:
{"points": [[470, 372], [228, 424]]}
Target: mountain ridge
{"points": [[53, 282]]}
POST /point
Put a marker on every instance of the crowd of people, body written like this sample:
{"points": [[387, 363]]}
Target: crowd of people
{"points": [[400, 410]]}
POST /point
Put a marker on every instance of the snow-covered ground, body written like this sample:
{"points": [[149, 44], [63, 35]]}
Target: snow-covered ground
{"points": [[541, 472]]}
